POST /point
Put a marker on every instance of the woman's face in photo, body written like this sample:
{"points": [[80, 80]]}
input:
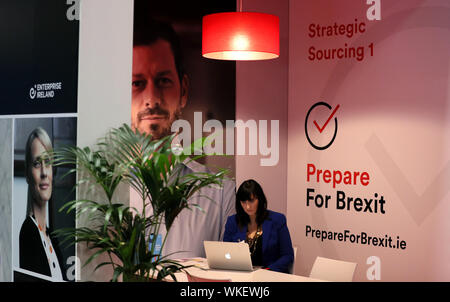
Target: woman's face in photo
{"points": [[250, 206], [41, 173]]}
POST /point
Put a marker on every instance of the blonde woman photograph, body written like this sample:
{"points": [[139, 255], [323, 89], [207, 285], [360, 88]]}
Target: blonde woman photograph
{"points": [[39, 251]]}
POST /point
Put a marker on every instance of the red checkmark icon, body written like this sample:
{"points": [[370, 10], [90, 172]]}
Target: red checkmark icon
{"points": [[328, 120]]}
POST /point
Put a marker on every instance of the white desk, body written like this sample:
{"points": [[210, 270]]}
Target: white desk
{"points": [[201, 269]]}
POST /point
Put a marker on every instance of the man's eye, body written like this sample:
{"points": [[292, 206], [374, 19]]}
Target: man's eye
{"points": [[138, 84], [164, 82]]}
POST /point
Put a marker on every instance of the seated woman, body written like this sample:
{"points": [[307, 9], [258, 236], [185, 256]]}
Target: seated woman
{"points": [[265, 231]]}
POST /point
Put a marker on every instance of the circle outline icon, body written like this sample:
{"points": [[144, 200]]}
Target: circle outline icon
{"points": [[306, 127]]}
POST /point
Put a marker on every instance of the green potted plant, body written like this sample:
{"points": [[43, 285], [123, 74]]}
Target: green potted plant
{"points": [[151, 168]]}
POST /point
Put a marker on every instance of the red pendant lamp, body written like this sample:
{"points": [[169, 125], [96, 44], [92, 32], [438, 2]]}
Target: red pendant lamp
{"points": [[241, 36]]}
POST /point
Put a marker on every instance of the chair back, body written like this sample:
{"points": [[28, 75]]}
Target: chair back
{"points": [[333, 270], [292, 266]]}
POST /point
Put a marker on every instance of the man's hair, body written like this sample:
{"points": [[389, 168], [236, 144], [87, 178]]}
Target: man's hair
{"points": [[147, 31]]}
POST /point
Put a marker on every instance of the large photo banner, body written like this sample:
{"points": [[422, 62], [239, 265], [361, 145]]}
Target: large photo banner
{"points": [[369, 144], [39, 82], [39, 192], [176, 90]]}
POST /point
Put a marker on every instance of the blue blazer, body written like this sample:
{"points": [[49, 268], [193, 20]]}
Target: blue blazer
{"points": [[277, 252]]}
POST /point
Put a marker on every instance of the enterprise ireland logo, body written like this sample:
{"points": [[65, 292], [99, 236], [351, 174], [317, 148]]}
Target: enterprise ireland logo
{"points": [[44, 90]]}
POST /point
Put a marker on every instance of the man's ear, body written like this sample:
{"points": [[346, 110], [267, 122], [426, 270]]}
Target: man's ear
{"points": [[184, 90]]}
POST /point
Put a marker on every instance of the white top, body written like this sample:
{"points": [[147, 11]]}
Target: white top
{"points": [[52, 259], [192, 227]]}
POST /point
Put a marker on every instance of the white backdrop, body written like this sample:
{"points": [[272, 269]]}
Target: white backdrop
{"points": [[393, 123]]}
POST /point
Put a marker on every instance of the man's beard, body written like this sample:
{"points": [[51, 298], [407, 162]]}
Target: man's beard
{"points": [[158, 131]]}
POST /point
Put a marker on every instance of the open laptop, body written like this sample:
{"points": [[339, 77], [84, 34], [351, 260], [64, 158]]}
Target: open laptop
{"points": [[228, 255]]}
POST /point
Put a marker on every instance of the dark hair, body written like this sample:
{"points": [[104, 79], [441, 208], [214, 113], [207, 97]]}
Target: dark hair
{"points": [[147, 31], [247, 190]]}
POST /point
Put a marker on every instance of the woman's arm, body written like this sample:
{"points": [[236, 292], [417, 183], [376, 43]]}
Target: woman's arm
{"points": [[286, 252], [229, 229]]}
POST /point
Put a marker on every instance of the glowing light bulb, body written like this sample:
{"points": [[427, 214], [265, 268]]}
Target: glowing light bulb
{"points": [[240, 42]]}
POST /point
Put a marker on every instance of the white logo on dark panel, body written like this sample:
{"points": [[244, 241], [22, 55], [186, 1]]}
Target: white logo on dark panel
{"points": [[33, 92], [45, 90]]}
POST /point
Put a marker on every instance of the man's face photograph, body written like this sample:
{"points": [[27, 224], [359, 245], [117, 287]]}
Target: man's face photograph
{"points": [[158, 95]]}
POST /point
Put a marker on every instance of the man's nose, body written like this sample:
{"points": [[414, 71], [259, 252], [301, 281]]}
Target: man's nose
{"points": [[152, 96]]}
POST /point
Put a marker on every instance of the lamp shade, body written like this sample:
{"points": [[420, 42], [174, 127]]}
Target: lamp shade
{"points": [[240, 36]]}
